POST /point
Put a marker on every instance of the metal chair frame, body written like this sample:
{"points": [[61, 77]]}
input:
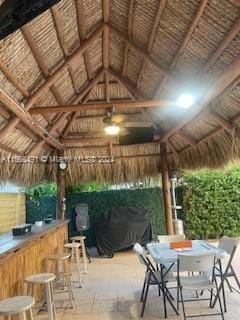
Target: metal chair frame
{"points": [[229, 270], [151, 279]]}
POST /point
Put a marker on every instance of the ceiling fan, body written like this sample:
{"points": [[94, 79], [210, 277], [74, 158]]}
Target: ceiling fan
{"points": [[122, 124]]}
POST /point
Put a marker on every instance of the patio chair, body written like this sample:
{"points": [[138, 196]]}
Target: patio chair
{"points": [[204, 266], [152, 277], [171, 238], [226, 270]]}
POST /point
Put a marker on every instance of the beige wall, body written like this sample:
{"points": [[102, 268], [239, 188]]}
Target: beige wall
{"points": [[12, 210]]}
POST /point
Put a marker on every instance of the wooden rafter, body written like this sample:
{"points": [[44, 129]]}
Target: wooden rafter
{"points": [[72, 58], [222, 46], [102, 105], [230, 75], [129, 33], [153, 34], [107, 88], [82, 35], [7, 116], [9, 75], [62, 42], [40, 60], [223, 122], [95, 140], [35, 150], [54, 77], [143, 53], [27, 119], [184, 43]]}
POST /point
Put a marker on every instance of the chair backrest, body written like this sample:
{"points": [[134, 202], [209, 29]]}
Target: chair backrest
{"points": [[228, 244], [196, 262], [140, 253], [172, 238]]}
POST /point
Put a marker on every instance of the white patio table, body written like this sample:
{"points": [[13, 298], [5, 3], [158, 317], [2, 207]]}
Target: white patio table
{"points": [[166, 257]]}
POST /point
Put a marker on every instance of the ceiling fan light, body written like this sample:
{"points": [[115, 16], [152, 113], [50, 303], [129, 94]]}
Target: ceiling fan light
{"points": [[112, 130]]}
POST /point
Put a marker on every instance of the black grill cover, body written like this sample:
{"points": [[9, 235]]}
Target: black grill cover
{"points": [[121, 229]]}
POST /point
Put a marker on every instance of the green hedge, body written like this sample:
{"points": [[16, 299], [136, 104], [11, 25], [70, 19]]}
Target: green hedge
{"points": [[211, 203], [39, 207]]}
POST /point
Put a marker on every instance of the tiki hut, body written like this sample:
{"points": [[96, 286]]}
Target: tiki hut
{"points": [[80, 64]]}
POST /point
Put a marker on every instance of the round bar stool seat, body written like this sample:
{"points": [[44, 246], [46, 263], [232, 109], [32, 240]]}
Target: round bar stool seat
{"points": [[75, 252], [82, 249], [16, 305], [47, 280], [62, 272], [40, 278]]}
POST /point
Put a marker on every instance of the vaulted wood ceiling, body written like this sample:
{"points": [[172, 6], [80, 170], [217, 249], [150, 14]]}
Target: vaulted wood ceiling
{"points": [[84, 51]]}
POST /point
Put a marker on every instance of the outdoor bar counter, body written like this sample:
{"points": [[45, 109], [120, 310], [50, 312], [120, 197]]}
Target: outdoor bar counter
{"points": [[23, 255]]}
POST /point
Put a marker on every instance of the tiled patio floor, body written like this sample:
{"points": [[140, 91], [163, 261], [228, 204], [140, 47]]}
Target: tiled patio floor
{"points": [[112, 288]]}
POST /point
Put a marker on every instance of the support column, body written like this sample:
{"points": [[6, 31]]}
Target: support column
{"points": [[166, 188], [60, 203]]}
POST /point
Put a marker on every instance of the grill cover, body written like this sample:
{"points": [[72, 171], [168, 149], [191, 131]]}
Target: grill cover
{"points": [[121, 229]]}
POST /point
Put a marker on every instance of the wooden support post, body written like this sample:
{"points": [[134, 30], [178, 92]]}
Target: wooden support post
{"points": [[60, 203], [166, 188]]}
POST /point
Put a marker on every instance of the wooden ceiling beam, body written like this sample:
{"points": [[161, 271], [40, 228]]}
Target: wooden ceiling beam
{"points": [[82, 35], [66, 141], [129, 33], [153, 34], [102, 105], [229, 75], [107, 88], [184, 43], [11, 78], [106, 47], [102, 116], [143, 53], [222, 46], [23, 115]]}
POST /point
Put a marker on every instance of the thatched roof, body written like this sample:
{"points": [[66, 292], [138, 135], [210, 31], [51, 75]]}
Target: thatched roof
{"points": [[91, 51]]}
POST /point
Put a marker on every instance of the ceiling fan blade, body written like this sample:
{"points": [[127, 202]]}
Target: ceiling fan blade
{"points": [[133, 124], [124, 131], [118, 118]]}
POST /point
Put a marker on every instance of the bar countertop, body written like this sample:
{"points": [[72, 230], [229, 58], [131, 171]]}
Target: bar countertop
{"points": [[10, 243]]}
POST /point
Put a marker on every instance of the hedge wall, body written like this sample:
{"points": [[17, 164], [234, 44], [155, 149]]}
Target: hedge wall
{"points": [[211, 203], [40, 207]]}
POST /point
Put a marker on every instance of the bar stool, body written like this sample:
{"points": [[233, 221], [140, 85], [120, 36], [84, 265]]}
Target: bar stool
{"points": [[74, 251], [21, 305], [82, 249], [62, 272], [47, 280]]}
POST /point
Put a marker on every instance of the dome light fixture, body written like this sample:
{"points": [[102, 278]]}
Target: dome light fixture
{"points": [[112, 130], [185, 101]]}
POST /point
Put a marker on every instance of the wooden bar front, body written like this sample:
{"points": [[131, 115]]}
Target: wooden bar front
{"points": [[26, 255]]}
